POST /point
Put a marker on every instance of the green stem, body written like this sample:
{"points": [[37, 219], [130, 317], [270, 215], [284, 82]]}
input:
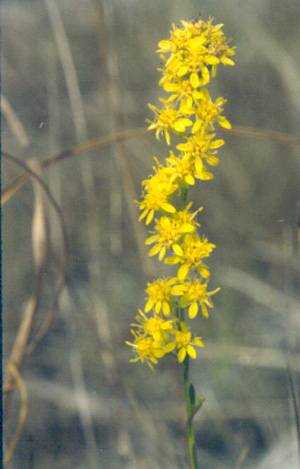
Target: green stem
{"points": [[183, 198], [189, 391], [190, 414]]}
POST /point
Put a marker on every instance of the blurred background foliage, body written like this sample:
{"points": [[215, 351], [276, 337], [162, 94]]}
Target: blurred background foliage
{"points": [[74, 71]]}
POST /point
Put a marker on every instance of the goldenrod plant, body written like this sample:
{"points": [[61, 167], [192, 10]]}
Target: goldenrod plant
{"points": [[190, 58]]}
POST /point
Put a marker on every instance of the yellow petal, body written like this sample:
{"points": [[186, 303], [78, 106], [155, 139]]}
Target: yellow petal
{"points": [[194, 79], [204, 311], [193, 310], [205, 74], [165, 45], [177, 249], [166, 308], [154, 250], [189, 179], [182, 71], [181, 354], [149, 305], [191, 351], [168, 208], [172, 260], [185, 108], [217, 143], [178, 290], [196, 42], [198, 342], [212, 160], [204, 272], [162, 253], [182, 272], [205, 176], [151, 240], [181, 124], [169, 347], [227, 61], [196, 126], [187, 228], [149, 217], [212, 60], [224, 122]]}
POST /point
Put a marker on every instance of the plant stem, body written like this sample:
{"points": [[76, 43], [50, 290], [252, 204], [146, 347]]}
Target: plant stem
{"points": [[190, 409]]}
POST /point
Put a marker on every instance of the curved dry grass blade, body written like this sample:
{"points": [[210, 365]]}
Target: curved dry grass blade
{"points": [[18, 352], [20, 347], [39, 222], [23, 411]]}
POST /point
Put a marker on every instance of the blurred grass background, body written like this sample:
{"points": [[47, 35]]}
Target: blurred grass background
{"points": [[74, 71]]}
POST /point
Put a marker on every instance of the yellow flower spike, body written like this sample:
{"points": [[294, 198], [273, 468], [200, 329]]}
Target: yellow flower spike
{"points": [[190, 57]]}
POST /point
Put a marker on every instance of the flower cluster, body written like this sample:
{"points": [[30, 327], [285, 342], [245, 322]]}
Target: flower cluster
{"points": [[190, 59]]}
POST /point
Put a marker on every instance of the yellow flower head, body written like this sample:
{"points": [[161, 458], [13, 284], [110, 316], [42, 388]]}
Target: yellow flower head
{"points": [[185, 344], [169, 231], [160, 296]]}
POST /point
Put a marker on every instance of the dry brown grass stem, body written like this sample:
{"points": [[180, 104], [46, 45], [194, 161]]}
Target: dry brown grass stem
{"points": [[237, 131], [253, 132]]}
